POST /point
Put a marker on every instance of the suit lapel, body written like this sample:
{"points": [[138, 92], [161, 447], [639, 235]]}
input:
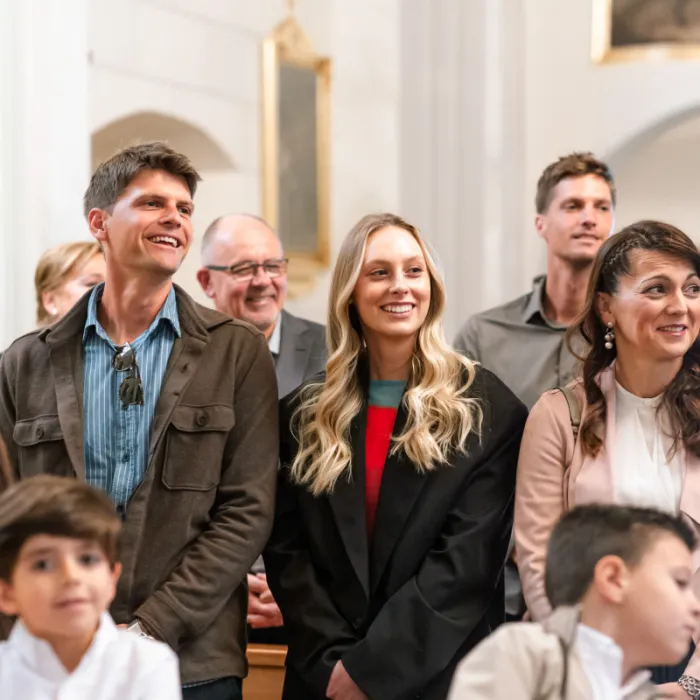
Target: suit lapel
{"points": [[293, 358], [67, 366], [401, 486], [347, 502]]}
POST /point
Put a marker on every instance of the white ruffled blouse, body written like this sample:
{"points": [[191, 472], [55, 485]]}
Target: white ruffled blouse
{"points": [[646, 472]]}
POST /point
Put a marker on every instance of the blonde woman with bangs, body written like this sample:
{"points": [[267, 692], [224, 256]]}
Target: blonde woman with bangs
{"points": [[63, 275], [394, 505]]}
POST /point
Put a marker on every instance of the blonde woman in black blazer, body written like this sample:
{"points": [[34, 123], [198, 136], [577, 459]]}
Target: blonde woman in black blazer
{"points": [[388, 549]]}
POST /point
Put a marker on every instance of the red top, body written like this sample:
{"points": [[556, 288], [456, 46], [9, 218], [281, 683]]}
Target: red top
{"points": [[384, 399], [380, 425]]}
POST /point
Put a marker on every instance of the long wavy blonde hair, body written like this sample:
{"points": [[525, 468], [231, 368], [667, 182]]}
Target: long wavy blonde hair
{"points": [[440, 414]]}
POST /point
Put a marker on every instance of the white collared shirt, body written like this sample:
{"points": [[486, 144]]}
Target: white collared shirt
{"points": [[602, 662], [119, 665], [275, 340]]}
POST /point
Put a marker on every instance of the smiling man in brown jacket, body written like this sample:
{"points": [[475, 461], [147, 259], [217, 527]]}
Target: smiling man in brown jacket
{"points": [[169, 407]]}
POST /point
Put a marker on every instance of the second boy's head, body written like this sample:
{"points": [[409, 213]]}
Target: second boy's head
{"points": [[58, 557], [631, 569]]}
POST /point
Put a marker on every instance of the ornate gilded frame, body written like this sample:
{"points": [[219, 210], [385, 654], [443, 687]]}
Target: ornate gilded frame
{"points": [[603, 52], [288, 44]]}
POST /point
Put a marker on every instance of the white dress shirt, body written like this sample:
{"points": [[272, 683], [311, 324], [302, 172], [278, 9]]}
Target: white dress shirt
{"points": [[275, 340], [119, 665], [645, 472], [602, 663]]}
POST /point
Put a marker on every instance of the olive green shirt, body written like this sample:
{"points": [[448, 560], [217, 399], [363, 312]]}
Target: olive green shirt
{"points": [[520, 345]]}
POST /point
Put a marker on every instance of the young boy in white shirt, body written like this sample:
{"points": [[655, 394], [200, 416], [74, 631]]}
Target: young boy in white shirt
{"points": [[58, 575], [620, 580]]}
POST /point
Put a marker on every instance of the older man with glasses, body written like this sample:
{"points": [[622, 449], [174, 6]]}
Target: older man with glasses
{"points": [[244, 272]]}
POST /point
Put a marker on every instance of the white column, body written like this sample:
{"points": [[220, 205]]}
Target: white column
{"points": [[461, 145], [45, 152]]}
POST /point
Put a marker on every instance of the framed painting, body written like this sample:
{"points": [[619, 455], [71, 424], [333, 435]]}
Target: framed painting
{"points": [[631, 30], [296, 149]]}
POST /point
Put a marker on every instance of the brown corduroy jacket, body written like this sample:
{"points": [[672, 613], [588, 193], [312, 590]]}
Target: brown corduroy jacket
{"points": [[204, 509]]}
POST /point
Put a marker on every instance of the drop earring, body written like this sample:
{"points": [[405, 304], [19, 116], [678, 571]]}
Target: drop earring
{"points": [[609, 337]]}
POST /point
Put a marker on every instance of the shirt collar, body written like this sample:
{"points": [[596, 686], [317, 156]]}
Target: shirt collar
{"points": [[534, 304], [534, 310], [276, 338], [608, 658], [167, 313], [40, 657]]}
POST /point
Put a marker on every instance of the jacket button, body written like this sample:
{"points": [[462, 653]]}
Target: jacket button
{"points": [[357, 623], [39, 432], [202, 419]]}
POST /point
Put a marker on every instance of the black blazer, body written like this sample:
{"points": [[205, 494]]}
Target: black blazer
{"points": [[403, 610]]}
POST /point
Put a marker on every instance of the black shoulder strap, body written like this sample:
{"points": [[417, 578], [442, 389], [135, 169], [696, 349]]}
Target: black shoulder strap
{"points": [[565, 669], [574, 408]]}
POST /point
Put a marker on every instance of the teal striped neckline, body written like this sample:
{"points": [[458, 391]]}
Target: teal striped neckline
{"points": [[386, 393]]}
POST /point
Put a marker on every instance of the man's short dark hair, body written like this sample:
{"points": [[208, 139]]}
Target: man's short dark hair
{"points": [[573, 165], [58, 506], [114, 175], [586, 534]]}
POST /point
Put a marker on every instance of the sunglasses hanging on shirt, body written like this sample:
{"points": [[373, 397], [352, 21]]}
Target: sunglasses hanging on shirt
{"points": [[131, 389]]}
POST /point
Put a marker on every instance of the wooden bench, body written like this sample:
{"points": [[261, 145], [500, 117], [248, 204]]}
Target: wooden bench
{"points": [[265, 672]]}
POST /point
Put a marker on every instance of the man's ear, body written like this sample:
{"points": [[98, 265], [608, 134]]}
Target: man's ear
{"points": [[611, 579], [204, 279], [8, 604], [97, 221], [541, 225]]}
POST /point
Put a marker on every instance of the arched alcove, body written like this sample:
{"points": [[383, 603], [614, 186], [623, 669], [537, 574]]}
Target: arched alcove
{"points": [[657, 173], [203, 150]]}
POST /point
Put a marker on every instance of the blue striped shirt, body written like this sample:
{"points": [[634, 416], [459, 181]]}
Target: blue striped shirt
{"points": [[117, 439]]}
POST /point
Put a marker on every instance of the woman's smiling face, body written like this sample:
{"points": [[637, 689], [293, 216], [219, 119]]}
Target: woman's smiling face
{"points": [[392, 293], [656, 308]]}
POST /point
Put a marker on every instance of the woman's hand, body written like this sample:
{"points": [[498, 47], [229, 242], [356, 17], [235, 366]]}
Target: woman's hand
{"points": [[342, 687]]}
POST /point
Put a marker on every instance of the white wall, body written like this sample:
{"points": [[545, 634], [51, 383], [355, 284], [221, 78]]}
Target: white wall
{"points": [[200, 63], [44, 148], [659, 177]]}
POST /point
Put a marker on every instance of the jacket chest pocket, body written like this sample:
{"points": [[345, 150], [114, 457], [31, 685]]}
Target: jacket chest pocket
{"points": [[195, 447], [41, 447]]}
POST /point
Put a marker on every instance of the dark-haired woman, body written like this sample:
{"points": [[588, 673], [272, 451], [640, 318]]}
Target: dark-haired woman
{"points": [[639, 404]]}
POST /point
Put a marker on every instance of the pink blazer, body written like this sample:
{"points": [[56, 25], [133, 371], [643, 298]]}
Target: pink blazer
{"points": [[554, 476]]}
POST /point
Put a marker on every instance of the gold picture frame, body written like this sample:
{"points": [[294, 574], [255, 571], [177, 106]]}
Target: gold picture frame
{"points": [[296, 84], [645, 30]]}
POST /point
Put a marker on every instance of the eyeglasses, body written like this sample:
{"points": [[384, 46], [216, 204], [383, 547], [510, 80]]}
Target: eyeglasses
{"points": [[131, 389], [242, 272]]}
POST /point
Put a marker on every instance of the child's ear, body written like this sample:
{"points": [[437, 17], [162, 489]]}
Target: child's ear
{"points": [[611, 579], [115, 573], [8, 604]]}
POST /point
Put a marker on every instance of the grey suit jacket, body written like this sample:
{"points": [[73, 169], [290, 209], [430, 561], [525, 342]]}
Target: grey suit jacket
{"points": [[302, 352]]}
